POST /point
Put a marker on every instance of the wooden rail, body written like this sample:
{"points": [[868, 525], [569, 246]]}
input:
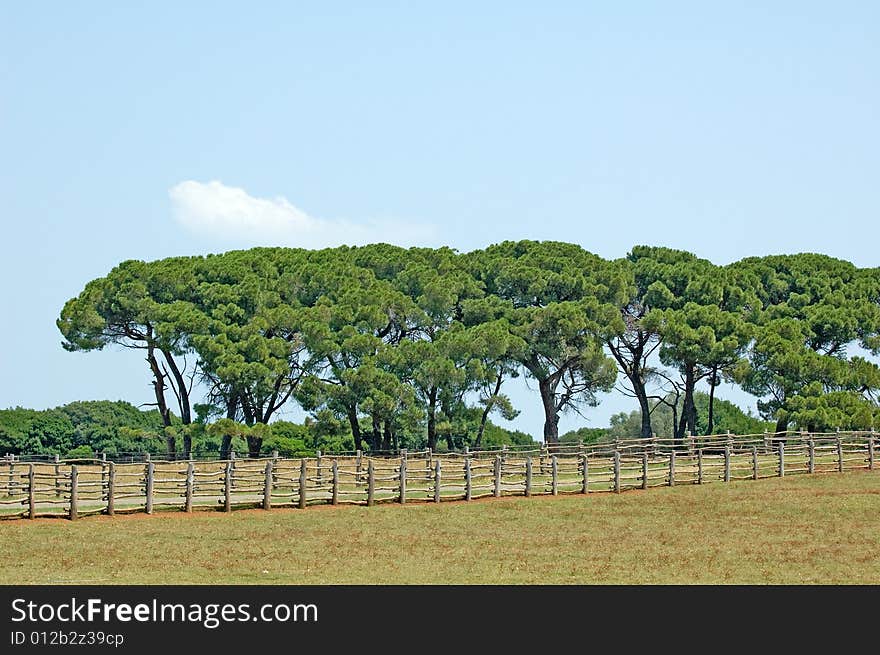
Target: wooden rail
{"points": [[78, 488]]}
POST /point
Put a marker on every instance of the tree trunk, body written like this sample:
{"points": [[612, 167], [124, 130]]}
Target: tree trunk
{"points": [[376, 437], [351, 412], [551, 414], [645, 409], [678, 424], [390, 437], [231, 407], [781, 427], [158, 386], [247, 411], [711, 418], [486, 410], [226, 441], [226, 446], [450, 442], [633, 370], [432, 418], [171, 444], [180, 386], [255, 444], [689, 410], [386, 437], [187, 443]]}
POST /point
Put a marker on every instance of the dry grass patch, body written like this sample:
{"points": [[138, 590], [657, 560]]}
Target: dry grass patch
{"points": [[804, 529]]}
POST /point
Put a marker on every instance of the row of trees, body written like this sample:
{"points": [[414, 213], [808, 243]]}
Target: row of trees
{"points": [[419, 343]]}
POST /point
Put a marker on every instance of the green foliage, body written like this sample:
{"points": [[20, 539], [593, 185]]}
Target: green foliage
{"points": [[496, 436], [289, 439], [816, 411], [559, 302], [814, 310], [386, 347], [585, 435], [728, 416], [80, 452], [102, 426]]}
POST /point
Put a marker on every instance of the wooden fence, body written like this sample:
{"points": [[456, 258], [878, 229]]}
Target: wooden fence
{"points": [[76, 488]]}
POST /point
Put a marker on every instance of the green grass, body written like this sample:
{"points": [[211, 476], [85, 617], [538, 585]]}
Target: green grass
{"points": [[793, 530]]}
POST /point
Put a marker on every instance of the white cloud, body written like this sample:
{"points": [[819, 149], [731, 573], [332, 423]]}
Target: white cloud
{"points": [[230, 214]]}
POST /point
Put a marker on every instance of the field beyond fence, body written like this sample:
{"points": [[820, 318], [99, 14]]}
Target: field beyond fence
{"points": [[74, 488]]}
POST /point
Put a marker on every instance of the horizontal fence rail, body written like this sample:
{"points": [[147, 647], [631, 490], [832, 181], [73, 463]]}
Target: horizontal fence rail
{"points": [[76, 488]]}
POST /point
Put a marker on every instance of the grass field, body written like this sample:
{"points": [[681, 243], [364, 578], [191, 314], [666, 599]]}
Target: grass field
{"points": [[803, 529]]}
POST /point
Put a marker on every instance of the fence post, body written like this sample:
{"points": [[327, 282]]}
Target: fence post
{"points": [[303, 480], [766, 440], [585, 463], [781, 459], [371, 483], [318, 465], [871, 451], [32, 505], [503, 453], [57, 478], [727, 463], [754, 462], [437, 481], [617, 471], [402, 498], [111, 488], [227, 487], [357, 461], [9, 489], [700, 466], [554, 472], [232, 459], [690, 439], [467, 478], [334, 500], [644, 470], [528, 489], [148, 488], [839, 454], [672, 467], [190, 480], [274, 467], [497, 476], [541, 454], [811, 455], [267, 486], [74, 491]]}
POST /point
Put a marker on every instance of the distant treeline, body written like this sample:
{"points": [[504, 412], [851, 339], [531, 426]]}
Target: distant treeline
{"points": [[404, 346], [85, 428], [89, 428]]}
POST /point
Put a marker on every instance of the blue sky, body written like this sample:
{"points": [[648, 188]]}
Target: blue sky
{"points": [[144, 132]]}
